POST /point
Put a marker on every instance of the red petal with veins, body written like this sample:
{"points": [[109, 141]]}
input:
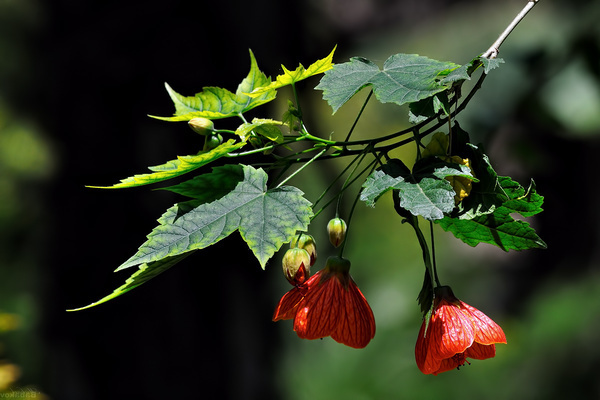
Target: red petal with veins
{"points": [[318, 313], [286, 309], [481, 351], [356, 323], [425, 362], [452, 331], [486, 330]]}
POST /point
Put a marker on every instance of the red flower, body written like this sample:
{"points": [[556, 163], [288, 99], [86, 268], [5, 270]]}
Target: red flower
{"points": [[454, 332], [329, 304]]}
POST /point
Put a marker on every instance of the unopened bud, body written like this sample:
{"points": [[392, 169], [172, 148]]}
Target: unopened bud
{"points": [[336, 228], [213, 141], [296, 265], [203, 126], [306, 242]]}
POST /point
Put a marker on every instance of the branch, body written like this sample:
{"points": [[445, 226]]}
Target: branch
{"points": [[493, 51]]}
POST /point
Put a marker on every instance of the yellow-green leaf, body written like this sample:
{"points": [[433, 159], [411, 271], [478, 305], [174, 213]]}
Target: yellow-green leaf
{"points": [[271, 131], [180, 166], [300, 73]]}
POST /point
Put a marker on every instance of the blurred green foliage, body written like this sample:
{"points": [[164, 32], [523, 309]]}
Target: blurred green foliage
{"points": [[551, 76], [27, 161]]}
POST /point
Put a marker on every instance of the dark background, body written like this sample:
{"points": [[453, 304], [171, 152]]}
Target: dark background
{"points": [[83, 75]]}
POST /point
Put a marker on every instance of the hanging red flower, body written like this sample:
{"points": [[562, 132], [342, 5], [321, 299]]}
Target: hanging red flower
{"points": [[454, 332], [329, 304]]}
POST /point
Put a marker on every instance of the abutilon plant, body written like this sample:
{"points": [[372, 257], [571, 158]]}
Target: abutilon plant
{"points": [[453, 331], [329, 303], [449, 181]]}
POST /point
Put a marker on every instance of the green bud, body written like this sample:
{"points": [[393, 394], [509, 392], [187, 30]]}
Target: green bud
{"points": [[336, 228], [213, 141], [296, 265], [306, 242], [203, 126]]}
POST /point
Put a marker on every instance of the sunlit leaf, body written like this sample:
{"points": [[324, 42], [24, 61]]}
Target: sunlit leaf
{"points": [[405, 78], [300, 73], [215, 102], [264, 127], [265, 219], [180, 166]]}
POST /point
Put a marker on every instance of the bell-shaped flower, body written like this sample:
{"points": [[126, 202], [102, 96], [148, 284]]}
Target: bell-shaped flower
{"points": [[329, 304], [454, 332]]}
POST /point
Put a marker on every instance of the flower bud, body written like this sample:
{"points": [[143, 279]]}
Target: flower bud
{"points": [[336, 228], [296, 265], [213, 141], [306, 242], [202, 126]]}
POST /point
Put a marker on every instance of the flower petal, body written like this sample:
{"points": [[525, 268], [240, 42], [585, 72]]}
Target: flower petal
{"points": [[356, 323], [426, 363], [481, 351], [457, 360], [318, 313], [286, 309], [452, 331], [486, 330]]}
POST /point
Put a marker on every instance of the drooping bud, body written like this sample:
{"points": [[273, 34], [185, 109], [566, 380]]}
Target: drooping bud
{"points": [[296, 265], [202, 126], [213, 141], [336, 228], [306, 242]]}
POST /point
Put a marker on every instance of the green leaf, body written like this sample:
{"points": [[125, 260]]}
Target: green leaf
{"points": [[215, 102], [499, 227], [174, 168], [145, 272], [265, 127], [212, 186], [265, 219], [429, 107], [425, 192], [490, 63], [405, 78], [525, 202], [429, 198], [376, 185], [289, 77]]}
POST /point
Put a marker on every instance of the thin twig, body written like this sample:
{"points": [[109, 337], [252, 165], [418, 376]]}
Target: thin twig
{"points": [[493, 51]]}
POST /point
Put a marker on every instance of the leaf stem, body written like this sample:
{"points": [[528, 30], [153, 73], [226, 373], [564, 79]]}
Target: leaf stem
{"points": [[358, 116], [434, 264], [306, 164], [494, 49], [414, 222]]}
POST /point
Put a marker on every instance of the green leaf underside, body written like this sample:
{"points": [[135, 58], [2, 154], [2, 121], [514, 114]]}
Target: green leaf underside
{"points": [[174, 168], [376, 185], [490, 63], [290, 77], [145, 272], [499, 227], [405, 78], [215, 102], [212, 186], [264, 127], [265, 219], [429, 197]]}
